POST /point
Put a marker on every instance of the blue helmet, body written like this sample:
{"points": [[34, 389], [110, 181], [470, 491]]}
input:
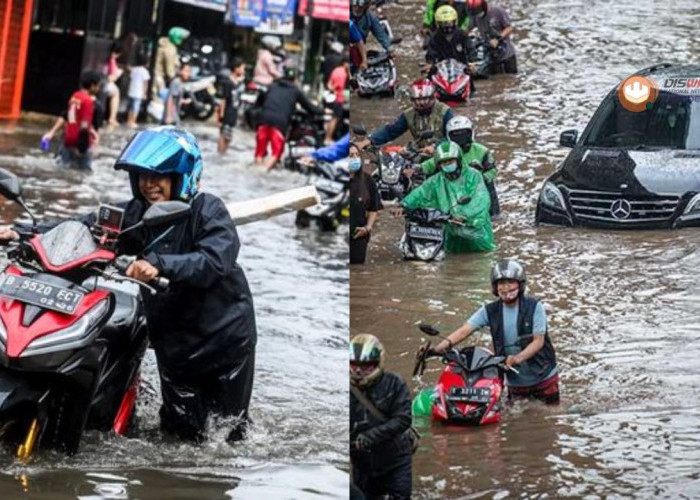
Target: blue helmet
{"points": [[164, 150]]}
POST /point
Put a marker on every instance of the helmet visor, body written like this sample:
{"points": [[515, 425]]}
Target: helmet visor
{"points": [[360, 371], [461, 137], [154, 152]]}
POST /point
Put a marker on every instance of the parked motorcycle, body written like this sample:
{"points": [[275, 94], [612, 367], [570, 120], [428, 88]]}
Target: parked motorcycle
{"points": [[452, 81], [72, 329], [332, 181], [201, 105], [469, 389]]}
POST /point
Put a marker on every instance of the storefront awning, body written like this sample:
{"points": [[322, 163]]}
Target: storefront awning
{"points": [[334, 10], [219, 5]]}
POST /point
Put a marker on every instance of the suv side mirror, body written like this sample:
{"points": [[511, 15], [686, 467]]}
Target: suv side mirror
{"points": [[568, 138], [359, 130]]}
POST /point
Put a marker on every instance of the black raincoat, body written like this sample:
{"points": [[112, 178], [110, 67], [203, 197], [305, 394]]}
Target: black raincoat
{"points": [[205, 320], [385, 466]]}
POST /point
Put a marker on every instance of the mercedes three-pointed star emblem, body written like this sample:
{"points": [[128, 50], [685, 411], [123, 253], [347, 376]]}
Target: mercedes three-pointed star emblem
{"points": [[621, 209]]}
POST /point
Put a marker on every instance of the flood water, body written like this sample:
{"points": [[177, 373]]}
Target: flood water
{"points": [[299, 279], [622, 306]]}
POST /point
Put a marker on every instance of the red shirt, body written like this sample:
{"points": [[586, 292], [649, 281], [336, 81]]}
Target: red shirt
{"points": [[337, 80], [80, 109]]}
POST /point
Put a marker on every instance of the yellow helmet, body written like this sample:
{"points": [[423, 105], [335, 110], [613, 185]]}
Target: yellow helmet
{"points": [[446, 15], [366, 360]]}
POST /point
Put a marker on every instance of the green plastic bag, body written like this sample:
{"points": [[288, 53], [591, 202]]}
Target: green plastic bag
{"points": [[423, 403]]}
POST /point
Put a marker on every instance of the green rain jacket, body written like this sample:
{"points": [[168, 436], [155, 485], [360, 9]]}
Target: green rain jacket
{"points": [[477, 152], [442, 194]]}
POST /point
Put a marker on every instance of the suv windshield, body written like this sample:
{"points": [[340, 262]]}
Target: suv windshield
{"points": [[672, 123]]}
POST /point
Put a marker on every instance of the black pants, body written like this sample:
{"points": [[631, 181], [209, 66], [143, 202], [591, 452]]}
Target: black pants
{"points": [[395, 483], [509, 65], [495, 206], [188, 401], [358, 250]]}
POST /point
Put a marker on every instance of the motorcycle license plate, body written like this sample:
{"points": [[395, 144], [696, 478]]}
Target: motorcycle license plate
{"points": [[424, 233], [329, 186], [38, 293], [470, 394]]}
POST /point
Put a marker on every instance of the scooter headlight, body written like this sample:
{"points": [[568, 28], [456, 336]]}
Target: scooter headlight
{"points": [[424, 252], [552, 197], [73, 336]]}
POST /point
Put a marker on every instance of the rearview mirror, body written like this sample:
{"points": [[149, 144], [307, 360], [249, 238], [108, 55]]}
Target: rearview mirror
{"points": [[464, 200], [429, 330], [165, 212], [10, 187], [568, 138]]}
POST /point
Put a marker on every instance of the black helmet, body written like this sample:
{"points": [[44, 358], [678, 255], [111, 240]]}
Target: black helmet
{"points": [[508, 269], [366, 351]]}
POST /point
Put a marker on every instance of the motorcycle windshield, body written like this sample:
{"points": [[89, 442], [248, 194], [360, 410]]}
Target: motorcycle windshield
{"points": [[450, 69], [67, 242]]}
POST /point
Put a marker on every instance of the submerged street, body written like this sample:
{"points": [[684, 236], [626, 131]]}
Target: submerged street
{"points": [[622, 306], [299, 281]]}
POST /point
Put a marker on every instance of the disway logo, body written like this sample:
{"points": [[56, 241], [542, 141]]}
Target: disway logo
{"points": [[637, 93]]}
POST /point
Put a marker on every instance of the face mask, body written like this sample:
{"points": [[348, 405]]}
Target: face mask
{"points": [[449, 168], [355, 164], [509, 296]]}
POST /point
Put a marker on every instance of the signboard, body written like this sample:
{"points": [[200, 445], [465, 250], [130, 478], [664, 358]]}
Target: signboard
{"points": [[277, 18], [245, 12], [334, 10], [219, 5]]}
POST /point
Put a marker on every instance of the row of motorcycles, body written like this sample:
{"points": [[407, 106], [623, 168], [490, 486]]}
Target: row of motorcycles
{"points": [[451, 77]]}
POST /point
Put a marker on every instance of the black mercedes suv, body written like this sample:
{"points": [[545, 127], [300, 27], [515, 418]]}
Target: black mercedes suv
{"points": [[628, 169]]}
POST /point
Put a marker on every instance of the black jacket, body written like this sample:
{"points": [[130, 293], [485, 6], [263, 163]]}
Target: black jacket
{"points": [[205, 320], [389, 438], [459, 48], [279, 104]]}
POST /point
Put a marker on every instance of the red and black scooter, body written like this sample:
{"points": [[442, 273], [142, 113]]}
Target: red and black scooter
{"points": [[452, 81], [72, 333], [469, 389]]}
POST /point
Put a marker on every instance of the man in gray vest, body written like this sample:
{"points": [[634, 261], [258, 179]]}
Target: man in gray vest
{"points": [[423, 115], [519, 331]]}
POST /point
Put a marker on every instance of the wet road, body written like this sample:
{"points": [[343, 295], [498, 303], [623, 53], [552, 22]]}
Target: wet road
{"points": [[622, 306], [299, 278]]}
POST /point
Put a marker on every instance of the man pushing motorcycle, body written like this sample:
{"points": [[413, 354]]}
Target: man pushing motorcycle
{"points": [[459, 191], [519, 331], [425, 114], [460, 129], [203, 328]]}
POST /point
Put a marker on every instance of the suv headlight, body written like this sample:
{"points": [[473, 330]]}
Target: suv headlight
{"points": [[73, 336], [552, 197], [693, 205]]}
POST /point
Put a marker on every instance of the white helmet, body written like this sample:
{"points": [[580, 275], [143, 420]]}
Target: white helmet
{"points": [[271, 43], [460, 129]]}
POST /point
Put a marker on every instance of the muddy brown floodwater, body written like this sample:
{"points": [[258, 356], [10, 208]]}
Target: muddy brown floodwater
{"points": [[622, 306], [299, 279]]}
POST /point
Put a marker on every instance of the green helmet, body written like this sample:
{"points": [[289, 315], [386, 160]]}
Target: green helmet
{"points": [[448, 159], [177, 35]]}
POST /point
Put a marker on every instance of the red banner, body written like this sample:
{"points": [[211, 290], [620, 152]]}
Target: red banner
{"points": [[335, 10]]}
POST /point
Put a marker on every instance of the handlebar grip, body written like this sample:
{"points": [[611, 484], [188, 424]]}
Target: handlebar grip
{"points": [[160, 284]]}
